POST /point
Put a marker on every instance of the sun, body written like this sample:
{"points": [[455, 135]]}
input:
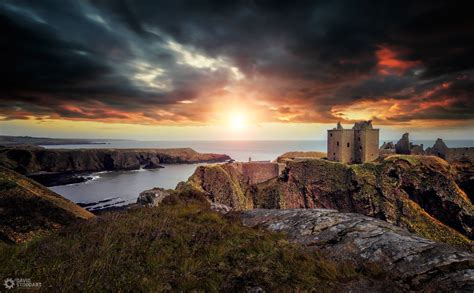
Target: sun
{"points": [[237, 121]]}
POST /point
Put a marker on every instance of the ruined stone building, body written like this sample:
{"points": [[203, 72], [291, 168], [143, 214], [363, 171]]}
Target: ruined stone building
{"points": [[357, 145]]}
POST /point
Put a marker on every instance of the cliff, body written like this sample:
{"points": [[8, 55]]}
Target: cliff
{"points": [[28, 209], [415, 192], [34, 160], [415, 263]]}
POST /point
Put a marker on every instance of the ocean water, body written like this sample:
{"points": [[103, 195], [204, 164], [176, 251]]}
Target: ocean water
{"points": [[242, 150], [123, 187]]}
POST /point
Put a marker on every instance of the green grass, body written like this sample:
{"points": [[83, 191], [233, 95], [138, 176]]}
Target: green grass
{"points": [[180, 246]]}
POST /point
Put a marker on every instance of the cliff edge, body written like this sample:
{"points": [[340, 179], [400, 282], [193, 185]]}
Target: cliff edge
{"points": [[44, 165], [28, 209], [415, 192]]}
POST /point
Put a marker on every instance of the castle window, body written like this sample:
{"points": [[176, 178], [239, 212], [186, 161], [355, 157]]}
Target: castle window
{"points": [[360, 147], [334, 154], [348, 144], [358, 138], [330, 134], [337, 143]]}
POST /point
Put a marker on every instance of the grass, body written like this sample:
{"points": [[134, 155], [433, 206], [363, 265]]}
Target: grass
{"points": [[179, 246]]}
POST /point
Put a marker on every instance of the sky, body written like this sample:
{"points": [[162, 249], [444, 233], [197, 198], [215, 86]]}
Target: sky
{"points": [[235, 69]]}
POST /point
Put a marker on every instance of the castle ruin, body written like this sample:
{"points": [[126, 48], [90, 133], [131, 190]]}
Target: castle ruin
{"points": [[357, 145]]}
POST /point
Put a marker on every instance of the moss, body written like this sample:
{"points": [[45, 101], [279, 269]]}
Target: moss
{"points": [[423, 224], [177, 247]]}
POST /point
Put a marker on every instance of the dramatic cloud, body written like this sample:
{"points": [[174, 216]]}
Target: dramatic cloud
{"points": [[191, 62]]}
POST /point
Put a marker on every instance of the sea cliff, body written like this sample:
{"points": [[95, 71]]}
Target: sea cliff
{"points": [[51, 165], [419, 193]]}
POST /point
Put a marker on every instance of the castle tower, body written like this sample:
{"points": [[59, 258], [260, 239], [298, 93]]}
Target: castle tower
{"points": [[357, 145]]}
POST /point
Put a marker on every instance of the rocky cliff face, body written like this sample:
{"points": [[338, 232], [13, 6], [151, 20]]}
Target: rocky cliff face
{"points": [[28, 209], [415, 192], [415, 263], [33, 160]]}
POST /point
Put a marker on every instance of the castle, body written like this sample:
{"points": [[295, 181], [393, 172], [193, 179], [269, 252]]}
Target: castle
{"points": [[357, 145]]}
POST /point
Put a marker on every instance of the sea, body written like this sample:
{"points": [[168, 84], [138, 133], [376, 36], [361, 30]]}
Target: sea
{"points": [[117, 188]]}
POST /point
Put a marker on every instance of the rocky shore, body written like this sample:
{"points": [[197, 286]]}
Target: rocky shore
{"points": [[63, 166]]}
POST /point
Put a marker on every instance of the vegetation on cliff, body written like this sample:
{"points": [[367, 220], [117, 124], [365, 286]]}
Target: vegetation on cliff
{"points": [[28, 209], [289, 156], [415, 192], [179, 246]]}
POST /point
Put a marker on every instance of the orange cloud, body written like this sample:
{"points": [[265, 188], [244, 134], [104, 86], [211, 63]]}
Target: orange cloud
{"points": [[389, 63]]}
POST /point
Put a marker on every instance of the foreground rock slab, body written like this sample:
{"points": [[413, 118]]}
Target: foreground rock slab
{"points": [[416, 263]]}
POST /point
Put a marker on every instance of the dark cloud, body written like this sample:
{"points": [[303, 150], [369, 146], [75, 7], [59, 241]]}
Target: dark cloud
{"points": [[138, 60]]}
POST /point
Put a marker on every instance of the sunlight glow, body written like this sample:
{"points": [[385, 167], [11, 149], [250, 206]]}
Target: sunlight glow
{"points": [[237, 121]]}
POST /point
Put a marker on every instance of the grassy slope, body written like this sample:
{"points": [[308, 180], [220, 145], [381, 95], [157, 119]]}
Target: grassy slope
{"points": [[178, 246], [28, 208], [288, 156]]}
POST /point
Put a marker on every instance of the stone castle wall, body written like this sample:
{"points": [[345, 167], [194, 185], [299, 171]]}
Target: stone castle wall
{"points": [[340, 145], [257, 172], [353, 145], [366, 145], [453, 154]]}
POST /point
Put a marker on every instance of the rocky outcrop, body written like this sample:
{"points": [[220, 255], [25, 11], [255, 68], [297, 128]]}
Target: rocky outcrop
{"points": [[415, 192], [152, 197], [28, 209], [465, 176], [222, 184], [39, 161], [415, 263]]}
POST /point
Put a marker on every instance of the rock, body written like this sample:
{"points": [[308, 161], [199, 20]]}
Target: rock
{"points": [[415, 263], [152, 165], [28, 209], [418, 193], [220, 208], [403, 145], [152, 197]]}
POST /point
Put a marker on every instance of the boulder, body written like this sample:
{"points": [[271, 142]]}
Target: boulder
{"points": [[152, 197], [417, 264]]}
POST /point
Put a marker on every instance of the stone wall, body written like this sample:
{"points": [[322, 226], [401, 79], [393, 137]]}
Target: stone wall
{"points": [[340, 145], [441, 150], [366, 145], [357, 145], [257, 172]]}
